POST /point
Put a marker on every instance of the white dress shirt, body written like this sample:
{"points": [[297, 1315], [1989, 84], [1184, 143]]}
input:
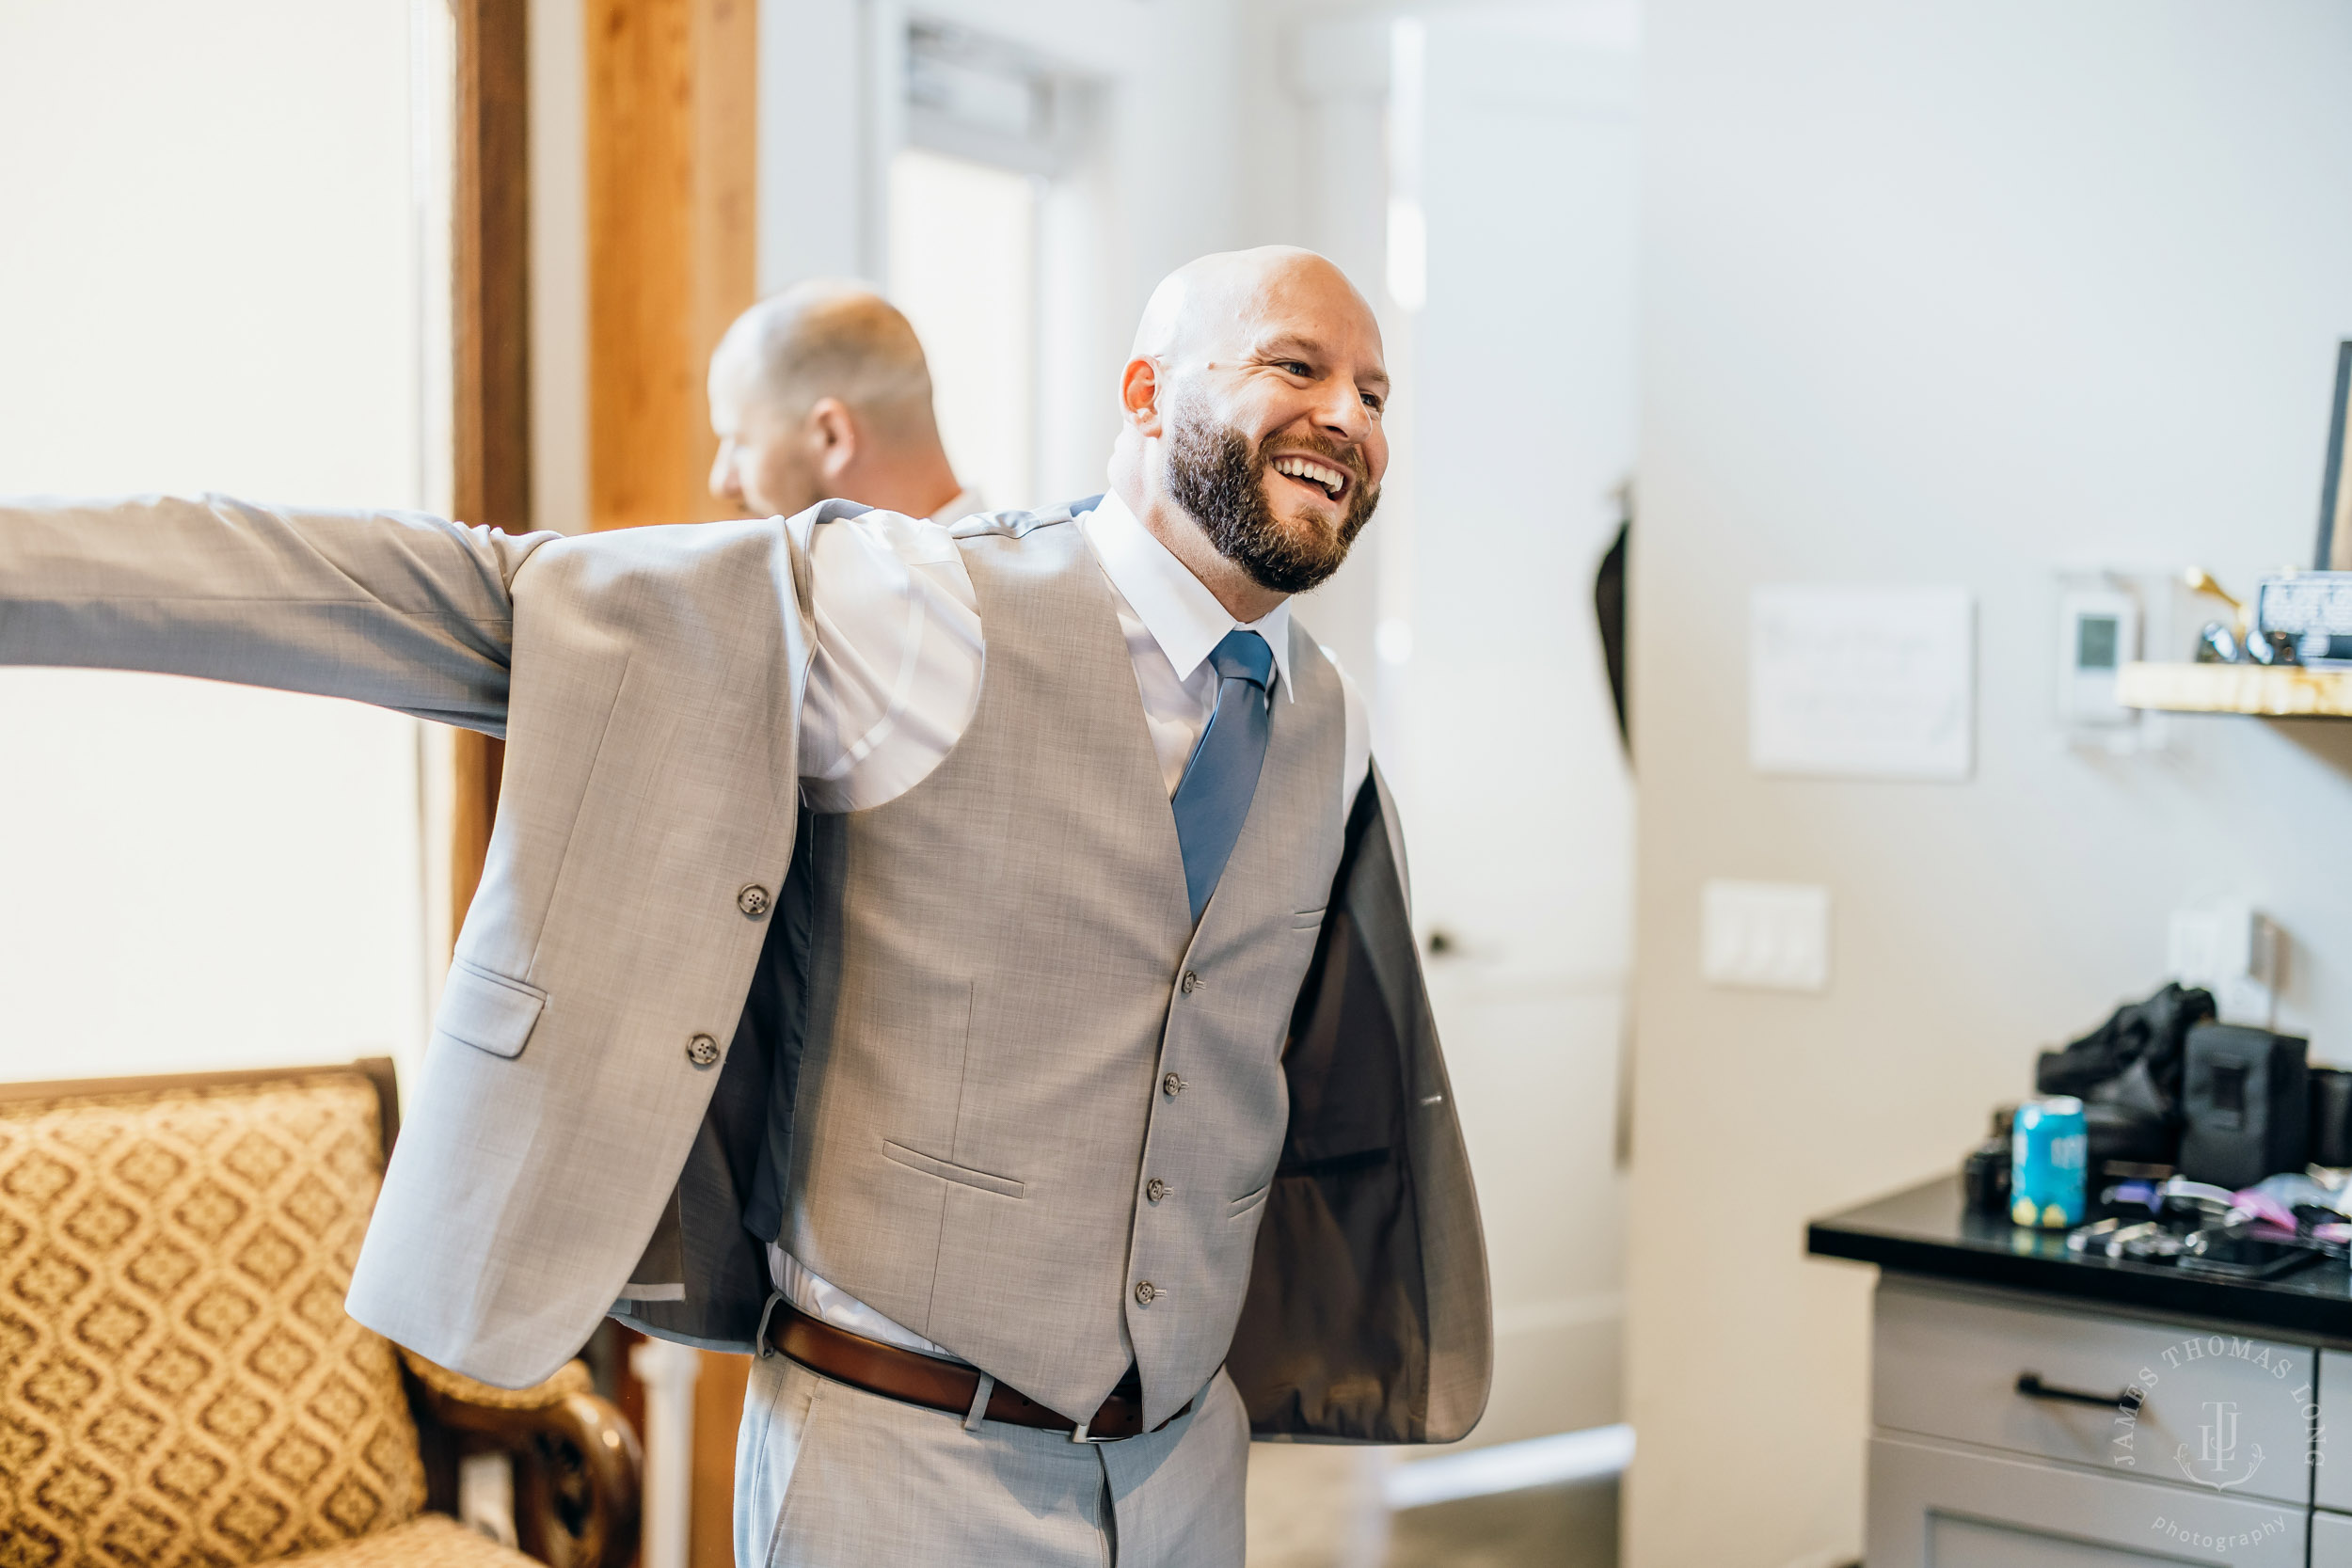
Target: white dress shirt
{"points": [[895, 677]]}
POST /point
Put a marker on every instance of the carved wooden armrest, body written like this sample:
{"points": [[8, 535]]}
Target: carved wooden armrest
{"points": [[576, 1459]]}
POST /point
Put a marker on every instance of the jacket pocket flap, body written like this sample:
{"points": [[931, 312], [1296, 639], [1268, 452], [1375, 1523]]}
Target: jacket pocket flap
{"points": [[488, 1011]]}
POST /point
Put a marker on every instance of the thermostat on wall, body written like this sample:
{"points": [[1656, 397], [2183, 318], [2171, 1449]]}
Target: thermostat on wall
{"points": [[2098, 633]]}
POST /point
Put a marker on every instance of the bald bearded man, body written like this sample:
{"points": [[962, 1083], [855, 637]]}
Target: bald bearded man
{"points": [[822, 392], [1042, 1090]]}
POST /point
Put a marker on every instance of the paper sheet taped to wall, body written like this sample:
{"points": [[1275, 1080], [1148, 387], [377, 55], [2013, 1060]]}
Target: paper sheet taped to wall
{"points": [[1862, 681]]}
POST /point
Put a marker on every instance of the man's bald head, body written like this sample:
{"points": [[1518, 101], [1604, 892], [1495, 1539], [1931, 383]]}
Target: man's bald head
{"points": [[1220, 298], [1252, 443], [825, 338], [823, 391]]}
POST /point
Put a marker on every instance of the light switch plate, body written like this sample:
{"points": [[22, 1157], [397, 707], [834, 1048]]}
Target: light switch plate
{"points": [[1770, 936]]}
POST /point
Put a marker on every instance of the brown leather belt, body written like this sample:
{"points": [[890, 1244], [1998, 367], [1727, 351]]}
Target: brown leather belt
{"points": [[918, 1379]]}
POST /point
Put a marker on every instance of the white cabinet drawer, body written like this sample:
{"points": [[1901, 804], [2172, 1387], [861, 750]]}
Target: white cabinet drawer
{"points": [[1933, 1507], [2218, 1411], [2331, 1478], [2332, 1541]]}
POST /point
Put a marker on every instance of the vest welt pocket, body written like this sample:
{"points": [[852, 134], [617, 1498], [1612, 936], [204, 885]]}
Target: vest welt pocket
{"points": [[1003, 1186], [1307, 920], [1241, 1206]]}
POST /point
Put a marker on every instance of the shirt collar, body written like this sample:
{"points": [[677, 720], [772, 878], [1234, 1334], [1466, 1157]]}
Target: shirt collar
{"points": [[1175, 607], [967, 502]]}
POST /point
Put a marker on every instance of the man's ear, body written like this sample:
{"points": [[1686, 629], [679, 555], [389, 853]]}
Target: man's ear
{"points": [[1139, 395], [833, 437]]}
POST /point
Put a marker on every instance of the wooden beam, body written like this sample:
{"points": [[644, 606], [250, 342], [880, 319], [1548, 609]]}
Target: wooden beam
{"points": [[672, 242], [479, 761], [718, 1391], [491, 259], [490, 307]]}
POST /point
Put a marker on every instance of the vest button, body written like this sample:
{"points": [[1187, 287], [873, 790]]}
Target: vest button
{"points": [[1189, 984], [701, 1050], [1146, 1292], [1172, 1085], [1155, 1188], [752, 900]]}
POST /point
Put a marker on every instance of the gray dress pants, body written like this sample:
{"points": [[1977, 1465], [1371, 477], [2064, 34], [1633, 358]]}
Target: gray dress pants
{"points": [[827, 1476]]}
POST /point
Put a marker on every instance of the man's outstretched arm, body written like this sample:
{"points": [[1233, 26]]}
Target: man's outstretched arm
{"points": [[390, 608]]}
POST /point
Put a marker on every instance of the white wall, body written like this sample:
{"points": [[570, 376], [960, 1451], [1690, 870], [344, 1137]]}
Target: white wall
{"points": [[1522, 151], [1953, 294], [210, 281], [558, 141], [815, 166], [963, 268]]}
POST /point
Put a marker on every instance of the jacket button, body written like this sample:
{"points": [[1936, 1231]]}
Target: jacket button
{"points": [[1146, 1292], [1155, 1188], [1189, 984], [1172, 1085], [701, 1050], [753, 899]]}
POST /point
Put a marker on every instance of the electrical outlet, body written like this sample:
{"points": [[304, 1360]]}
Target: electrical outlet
{"points": [[1769, 936], [2232, 950]]}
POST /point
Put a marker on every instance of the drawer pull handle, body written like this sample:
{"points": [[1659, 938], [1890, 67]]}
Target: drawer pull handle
{"points": [[2031, 1385]]}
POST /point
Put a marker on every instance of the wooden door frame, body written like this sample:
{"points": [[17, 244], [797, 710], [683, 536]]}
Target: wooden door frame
{"points": [[671, 96], [673, 243], [490, 357]]}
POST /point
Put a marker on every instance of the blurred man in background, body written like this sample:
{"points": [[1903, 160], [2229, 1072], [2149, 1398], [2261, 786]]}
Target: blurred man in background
{"points": [[821, 392]]}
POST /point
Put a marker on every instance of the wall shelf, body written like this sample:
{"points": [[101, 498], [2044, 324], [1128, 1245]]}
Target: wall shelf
{"points": [[2276, 691]]}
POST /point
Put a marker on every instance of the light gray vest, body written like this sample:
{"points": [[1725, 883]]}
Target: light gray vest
{"points": [[1013, 1036]]}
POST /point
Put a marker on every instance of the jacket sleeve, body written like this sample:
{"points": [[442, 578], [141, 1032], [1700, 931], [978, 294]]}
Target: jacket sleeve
{"points": [[395, 609]]}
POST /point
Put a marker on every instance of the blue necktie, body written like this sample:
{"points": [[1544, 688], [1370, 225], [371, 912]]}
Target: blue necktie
{"points": [[1214, 798]]}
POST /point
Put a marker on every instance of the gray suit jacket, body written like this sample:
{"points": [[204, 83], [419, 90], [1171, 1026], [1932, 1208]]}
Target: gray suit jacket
{"points": [[647, 683]]}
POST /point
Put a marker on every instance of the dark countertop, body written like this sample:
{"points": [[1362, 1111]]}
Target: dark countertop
{"points": [[1928, 1230]]}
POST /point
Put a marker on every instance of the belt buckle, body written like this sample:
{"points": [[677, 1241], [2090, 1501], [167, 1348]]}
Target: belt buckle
{"points": [[1080, 1435]]}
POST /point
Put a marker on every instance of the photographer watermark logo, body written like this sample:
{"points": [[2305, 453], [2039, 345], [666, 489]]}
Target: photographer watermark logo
{"points": [[2224, 1395], [2229, 1406], [2219, 1459], [2221, 1542]]}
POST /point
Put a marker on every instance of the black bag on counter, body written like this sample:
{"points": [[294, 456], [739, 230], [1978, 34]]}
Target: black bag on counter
{"points": [[2332, 1117], [2132, 1066], [2247, 1095], [2120, 1134]]}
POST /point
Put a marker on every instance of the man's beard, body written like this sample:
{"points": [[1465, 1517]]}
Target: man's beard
{"points": [[1215, 474]]}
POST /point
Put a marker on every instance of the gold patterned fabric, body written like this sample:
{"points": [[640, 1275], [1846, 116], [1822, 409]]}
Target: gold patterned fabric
{"points": [[179, 1381], [427, 1541], [571, 1378]]}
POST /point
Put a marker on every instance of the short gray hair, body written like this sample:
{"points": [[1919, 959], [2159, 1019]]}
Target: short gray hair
{"points": [[831, 337]]}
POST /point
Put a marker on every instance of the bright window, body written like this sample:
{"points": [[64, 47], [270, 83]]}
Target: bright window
{"points": [[963, 268], [216, 277]]}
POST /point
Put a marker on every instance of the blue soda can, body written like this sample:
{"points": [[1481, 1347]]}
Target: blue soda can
{"points": [[2049, 1148]]}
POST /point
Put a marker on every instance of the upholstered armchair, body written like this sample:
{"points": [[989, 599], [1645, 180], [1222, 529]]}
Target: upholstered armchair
{"points": [[179, 1381]]}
